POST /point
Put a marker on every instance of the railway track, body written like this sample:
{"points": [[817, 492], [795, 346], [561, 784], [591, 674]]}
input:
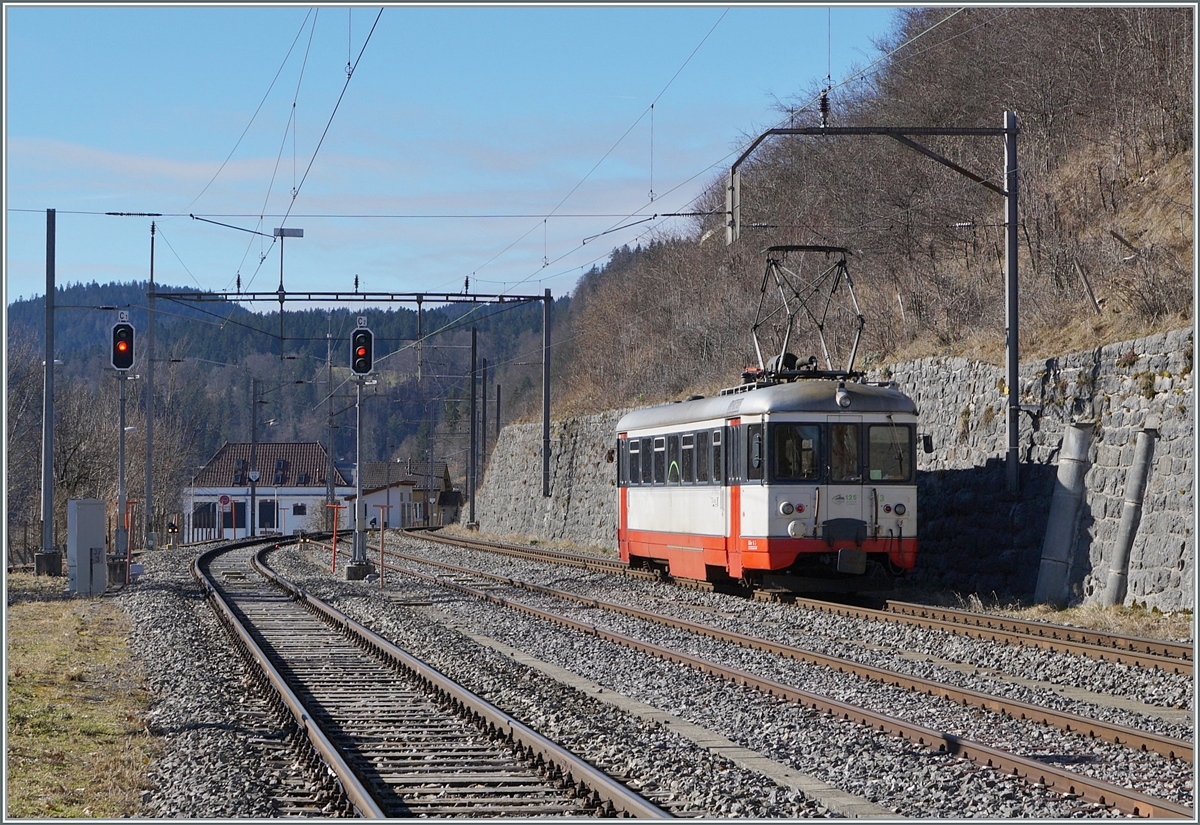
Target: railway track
{"points": [[400, 738], [1063, 780], [1171, 657]]}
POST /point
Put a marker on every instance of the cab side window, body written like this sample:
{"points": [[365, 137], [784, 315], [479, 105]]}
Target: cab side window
{"points": [[755, 451]]}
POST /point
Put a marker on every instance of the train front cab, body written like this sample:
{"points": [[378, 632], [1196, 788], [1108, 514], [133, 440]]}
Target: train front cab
{"points": [[777, 499], [826, 498]]}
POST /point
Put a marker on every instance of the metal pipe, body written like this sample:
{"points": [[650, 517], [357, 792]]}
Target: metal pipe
{"points": [[1054, 573], [1012, 335], [358, 554], [546, 395], [483, 413], [149, 497], [48, 396], [1131, 513], [121, 543], [253, 468], [471, 454]]}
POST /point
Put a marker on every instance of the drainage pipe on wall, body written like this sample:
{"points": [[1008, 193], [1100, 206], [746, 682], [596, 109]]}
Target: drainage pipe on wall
{"points": [[1059, 542], [1131, 514]]}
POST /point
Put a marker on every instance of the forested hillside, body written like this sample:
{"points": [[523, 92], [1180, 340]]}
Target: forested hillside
{"points": [[207, 355], [1104, 103]]}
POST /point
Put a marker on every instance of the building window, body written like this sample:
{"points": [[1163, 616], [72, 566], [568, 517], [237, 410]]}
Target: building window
{"points": [[299, 509], [204, 516], [266, 515]]}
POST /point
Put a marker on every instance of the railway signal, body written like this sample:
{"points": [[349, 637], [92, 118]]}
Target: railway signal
{"points": [[362, 351], [122, 346]]}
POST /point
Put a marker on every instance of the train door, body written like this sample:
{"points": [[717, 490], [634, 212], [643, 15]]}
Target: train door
{"points": [[844, 501], [733, 480]]}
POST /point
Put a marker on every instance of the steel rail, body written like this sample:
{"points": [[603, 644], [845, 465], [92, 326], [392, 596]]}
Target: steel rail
{"points": [[353, 787], [1060, 780], [1071, 723], [1127, 650], [1137, 644], [573, 767], [999, 635]]}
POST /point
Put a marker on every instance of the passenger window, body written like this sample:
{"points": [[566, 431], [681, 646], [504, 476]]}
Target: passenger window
{"points": [[755, 449], [795, 453], [718, 466], [635, 466], [673, 459], [702, 457], [889, 452], [843, 449], [687, 461], [660, 460], [647, 463]]}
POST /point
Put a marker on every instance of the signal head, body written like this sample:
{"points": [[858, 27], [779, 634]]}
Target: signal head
{"points": [[122, 346], [362, 351]]}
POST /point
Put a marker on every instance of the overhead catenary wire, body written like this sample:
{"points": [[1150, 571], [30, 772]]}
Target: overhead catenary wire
{"points": [[267, 94], [612, 148], [738, 151]]}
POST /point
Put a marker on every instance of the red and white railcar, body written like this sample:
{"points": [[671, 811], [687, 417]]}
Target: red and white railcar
{"points": [[808, 483]]}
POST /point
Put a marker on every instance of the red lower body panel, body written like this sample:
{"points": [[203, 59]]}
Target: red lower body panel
{"points": [[688, 555]]}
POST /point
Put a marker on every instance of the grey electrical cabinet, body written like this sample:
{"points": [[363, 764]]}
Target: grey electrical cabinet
{"points": [[87, 570]]}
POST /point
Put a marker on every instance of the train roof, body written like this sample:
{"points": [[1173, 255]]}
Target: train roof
{"points": [[808, 395]]}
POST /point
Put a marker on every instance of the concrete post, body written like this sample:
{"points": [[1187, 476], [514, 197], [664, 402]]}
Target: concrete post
{"points": [[1131, 513], [1059, 542]]}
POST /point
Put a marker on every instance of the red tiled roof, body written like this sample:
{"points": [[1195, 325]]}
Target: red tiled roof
{"points": [[376, 473], [278, 464]]}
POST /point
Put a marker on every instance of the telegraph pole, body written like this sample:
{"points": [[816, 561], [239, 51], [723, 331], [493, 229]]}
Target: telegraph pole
{"points": [[546, 395], [253, 470], [471, 453], [329, 452], [48, 397], [483, 414], [149, 506], [122, 533]]}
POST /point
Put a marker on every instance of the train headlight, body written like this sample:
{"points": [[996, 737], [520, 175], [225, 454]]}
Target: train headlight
{"points": [[786, 508], [843, 397], [887, 508], [796, 529], [900, 509], [799, 508]]}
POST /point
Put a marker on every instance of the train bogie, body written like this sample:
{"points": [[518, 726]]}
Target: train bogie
{"points": [[802, 480]]}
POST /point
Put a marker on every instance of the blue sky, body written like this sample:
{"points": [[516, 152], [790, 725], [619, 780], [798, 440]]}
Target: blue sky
{"points": [[476, 123]]}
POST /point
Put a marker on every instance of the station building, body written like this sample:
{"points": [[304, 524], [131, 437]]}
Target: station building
{"points": [[289, 494]]}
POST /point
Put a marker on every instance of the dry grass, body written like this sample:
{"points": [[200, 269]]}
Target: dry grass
{"points": [[1131, 621], [77, 745]]}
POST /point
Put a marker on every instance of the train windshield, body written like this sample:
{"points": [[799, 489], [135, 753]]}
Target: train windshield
{"points": [[795, 452], [889, 452]]}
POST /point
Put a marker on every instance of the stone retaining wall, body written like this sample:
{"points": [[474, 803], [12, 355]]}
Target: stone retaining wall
{"points": [[974, 537]]}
